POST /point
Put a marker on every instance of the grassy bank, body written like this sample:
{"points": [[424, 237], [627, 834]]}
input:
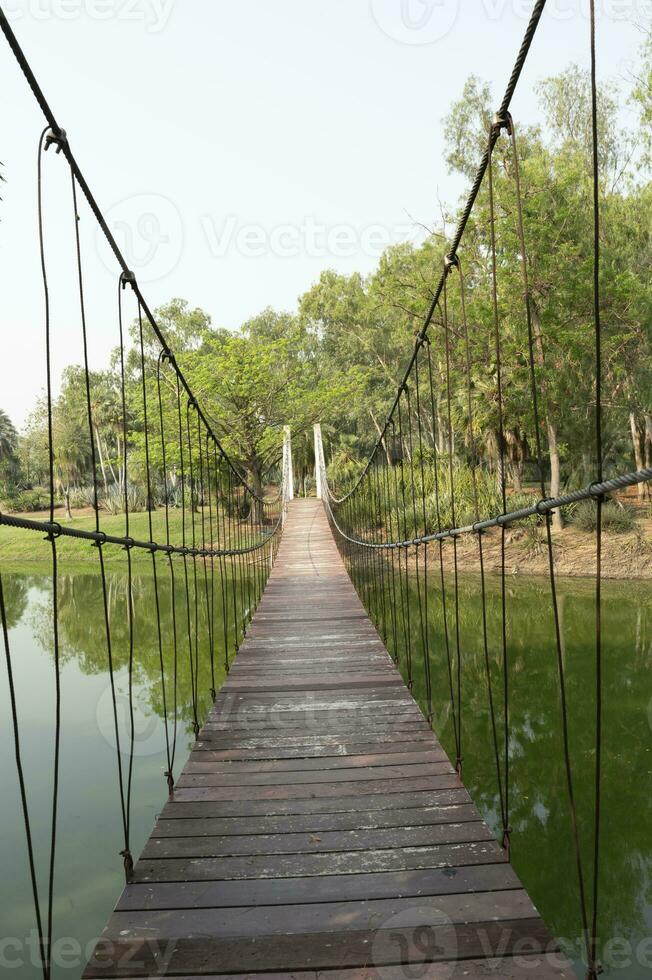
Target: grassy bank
{"points": [[20, 546]]}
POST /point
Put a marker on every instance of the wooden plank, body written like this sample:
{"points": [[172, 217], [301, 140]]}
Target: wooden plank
{"points": [[318, 829], [312, 917], [328, 888], [344, 804], [289, 866], [396, 946], [316, 822], [207, 845]]}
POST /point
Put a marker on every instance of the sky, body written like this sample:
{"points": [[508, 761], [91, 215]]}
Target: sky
{"points": [[240, 148]]}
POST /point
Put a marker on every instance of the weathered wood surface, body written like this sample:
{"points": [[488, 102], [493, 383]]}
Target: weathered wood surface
{"points": [[318, 829]]}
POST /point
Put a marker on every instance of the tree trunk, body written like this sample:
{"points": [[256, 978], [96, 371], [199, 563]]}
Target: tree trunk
{"points": [[555, 474], [255, 468], [66, 497], [638, 450], [648, 441], [100, 456], [388, 455]]}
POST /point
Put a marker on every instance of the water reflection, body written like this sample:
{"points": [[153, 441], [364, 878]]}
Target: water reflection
{"points": [[541, 845], [89, 874]]}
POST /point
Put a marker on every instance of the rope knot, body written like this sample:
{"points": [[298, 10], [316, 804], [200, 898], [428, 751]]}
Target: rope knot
{"points": [[594, 970], [195, 728], [213, 693], [128, 863], [170, 781], [507, 839]]}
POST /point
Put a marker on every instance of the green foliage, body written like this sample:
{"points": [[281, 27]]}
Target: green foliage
{"points": [[616, 517], [25, 501]]}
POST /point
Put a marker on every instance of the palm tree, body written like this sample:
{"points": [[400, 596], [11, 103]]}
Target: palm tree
{"points": [[8, 436]]}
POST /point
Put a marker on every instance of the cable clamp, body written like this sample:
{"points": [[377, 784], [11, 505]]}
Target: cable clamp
{"points": [[597, 494], [128, 278], [54, 532], [541, 507], [56, 137], [152, 547], [501, 122], [129, 544], [451, 262], [101, 540], [595, 969]]}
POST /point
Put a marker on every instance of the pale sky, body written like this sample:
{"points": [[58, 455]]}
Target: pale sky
{"points": [[239, 148]]}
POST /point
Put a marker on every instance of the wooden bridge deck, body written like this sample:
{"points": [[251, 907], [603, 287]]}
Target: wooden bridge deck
{"points": [[319, 829]]}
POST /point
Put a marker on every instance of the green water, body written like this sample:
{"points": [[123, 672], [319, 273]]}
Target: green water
{"points": [[542, 848], [89, 873]]}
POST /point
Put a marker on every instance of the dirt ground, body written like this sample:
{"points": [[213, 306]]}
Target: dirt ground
{"points": [[624, 556]]}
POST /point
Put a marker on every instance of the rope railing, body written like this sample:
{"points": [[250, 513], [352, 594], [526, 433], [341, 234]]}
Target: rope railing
{"points": [[219, 536], [420, 488]]}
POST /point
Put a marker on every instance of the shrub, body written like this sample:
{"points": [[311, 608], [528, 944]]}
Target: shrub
{"points": [[114, 500], [26, 501], [616, 517], [82, 497]]}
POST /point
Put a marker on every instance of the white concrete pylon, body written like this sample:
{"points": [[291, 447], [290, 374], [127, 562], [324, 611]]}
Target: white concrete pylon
{"points": [[319, 461], [287, 463]]}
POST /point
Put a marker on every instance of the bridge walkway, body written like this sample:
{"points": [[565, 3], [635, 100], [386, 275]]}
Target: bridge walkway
{"points": [[318, 829]]}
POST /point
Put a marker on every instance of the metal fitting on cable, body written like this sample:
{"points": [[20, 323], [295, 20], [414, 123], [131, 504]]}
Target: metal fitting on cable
{"points": [[129, 544], [128, 863], [542, 506], [128, 278], [54, 532], [501, 122], [170, 781], [56, 137], [451, 262], [594, 970], [597, 494], [99, 540]]}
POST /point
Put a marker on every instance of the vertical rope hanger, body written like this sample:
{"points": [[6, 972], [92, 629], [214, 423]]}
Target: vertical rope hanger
{"points": [[424, 518], [451, 477], [194, 648], [442, 575], [157, 601], [44, 931], [126, 854], [98, 544], [169, 775], [503, 794], [593, 965]]}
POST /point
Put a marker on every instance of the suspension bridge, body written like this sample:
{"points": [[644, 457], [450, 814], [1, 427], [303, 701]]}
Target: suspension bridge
{"points": [[318, 828]]}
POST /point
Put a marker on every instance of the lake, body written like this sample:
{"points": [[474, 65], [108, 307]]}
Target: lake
{"points": [[89, 873]]}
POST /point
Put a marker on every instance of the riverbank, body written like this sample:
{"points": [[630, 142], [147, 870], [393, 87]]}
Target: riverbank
{"points": [[20, 546], [626, 555]]}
